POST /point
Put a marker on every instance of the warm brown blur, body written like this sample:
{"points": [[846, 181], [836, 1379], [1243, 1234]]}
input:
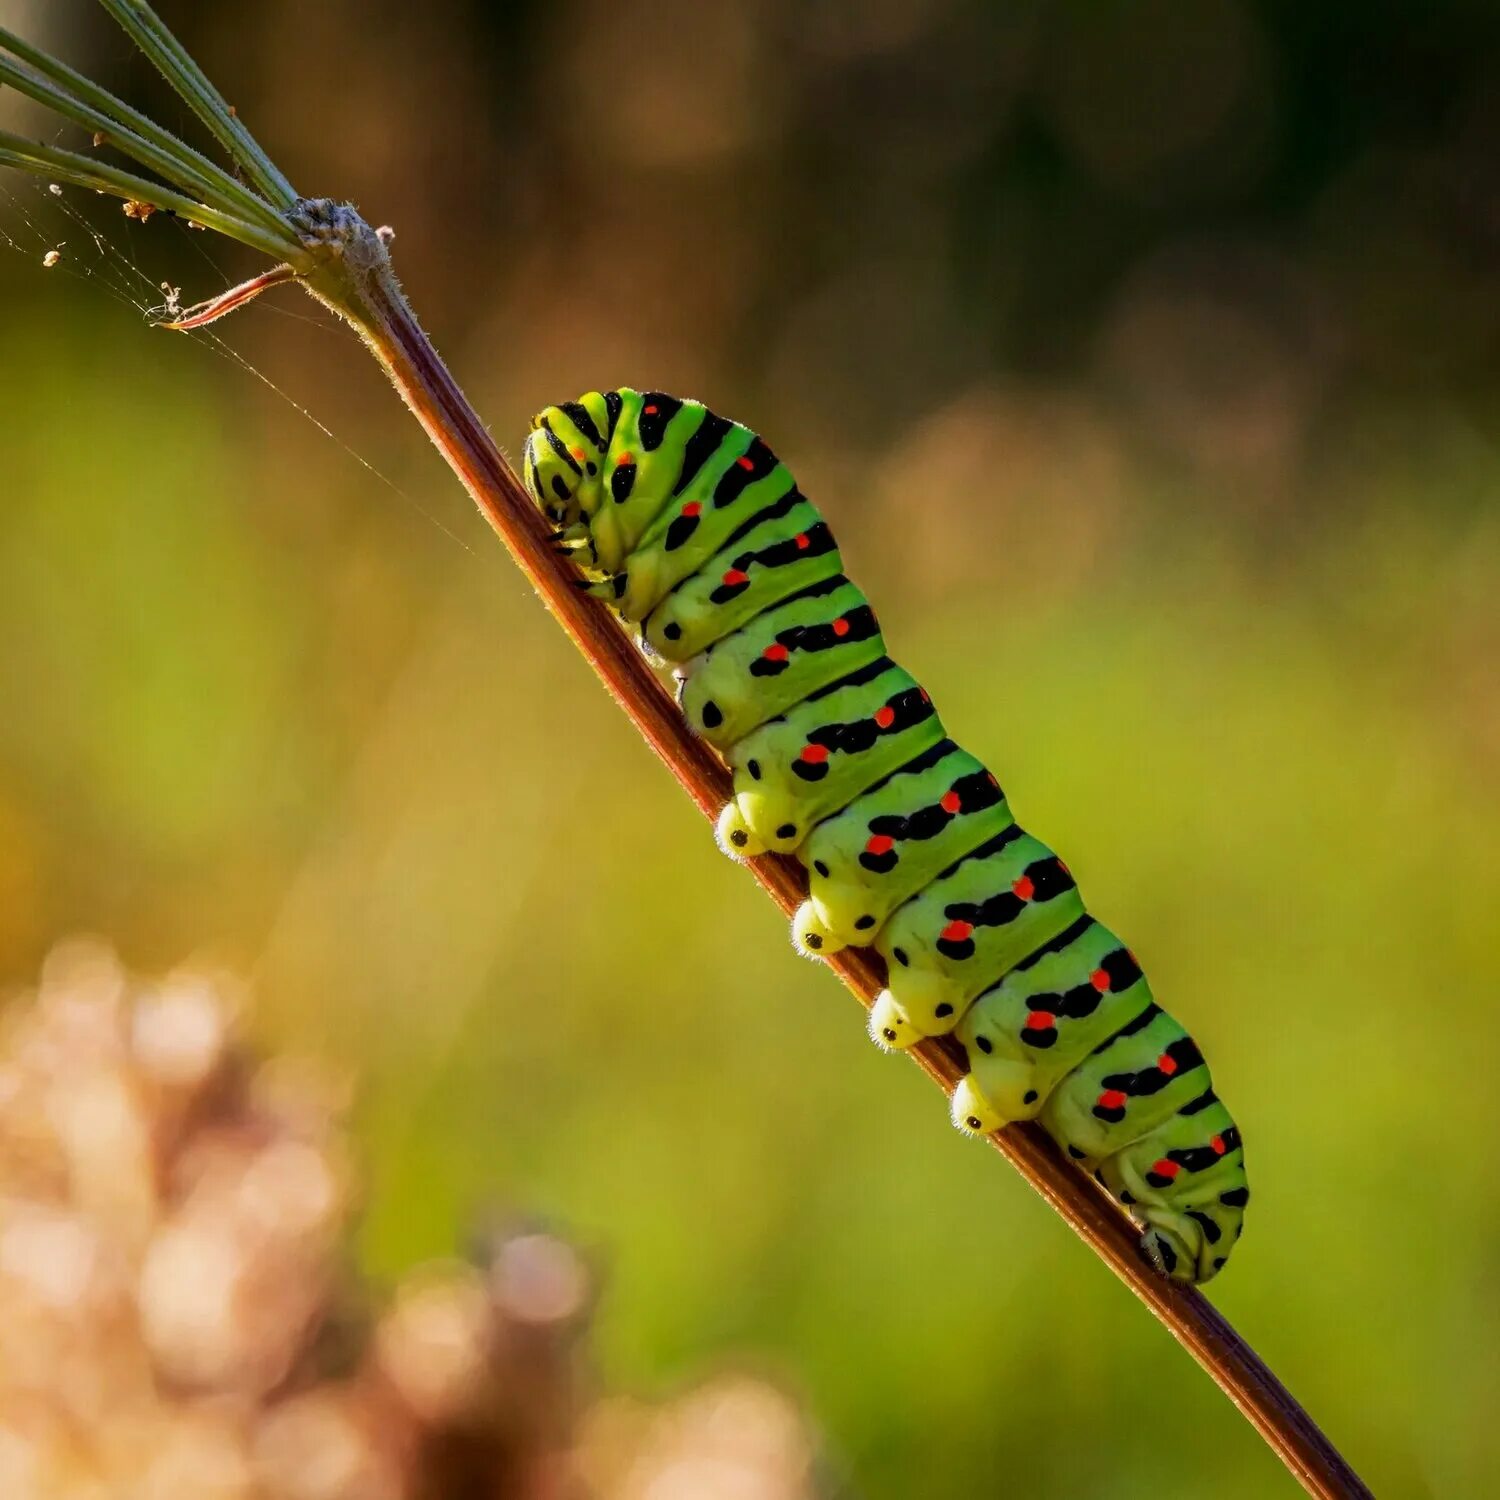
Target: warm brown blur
{"points": [[178, 1319], [1143, 356]]}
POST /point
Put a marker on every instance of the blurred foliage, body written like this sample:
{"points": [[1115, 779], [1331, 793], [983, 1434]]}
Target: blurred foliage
{"points": [[178, 1317], [1144, 356]]}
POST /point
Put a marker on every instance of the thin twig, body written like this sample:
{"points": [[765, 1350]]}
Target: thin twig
{"points": [[370, 298], [201, 314]]}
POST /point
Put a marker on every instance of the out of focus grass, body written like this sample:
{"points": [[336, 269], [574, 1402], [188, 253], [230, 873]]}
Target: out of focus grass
{"points": [[360, 758]]}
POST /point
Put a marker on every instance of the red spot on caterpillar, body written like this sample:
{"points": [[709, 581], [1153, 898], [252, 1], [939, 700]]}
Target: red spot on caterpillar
{"points": [[841, 626], [1061, 866], [1218, 1144], [956, 932], [802, 541], [993, 780], [1111, 1099], [1040, 1020], [925, 696], [950, 802], [745, 461], [1165, 1168], [693, 508], [1100, 981], [1168, 1065], [626, 459], [648, 411], [885, 716], [1023, 888], [880, 843], [814, 755], [578, 454], [778, 652], [735, 576]]}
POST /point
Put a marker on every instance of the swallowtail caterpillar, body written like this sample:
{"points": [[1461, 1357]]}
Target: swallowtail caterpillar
{"points": [[694, 532]]}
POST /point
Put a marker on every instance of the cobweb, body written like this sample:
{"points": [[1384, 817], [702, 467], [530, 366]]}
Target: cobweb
{"points": [[44, 224]]}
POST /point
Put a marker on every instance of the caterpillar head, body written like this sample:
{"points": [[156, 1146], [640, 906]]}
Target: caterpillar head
{"points": [[889, 1028], [561, 467]]}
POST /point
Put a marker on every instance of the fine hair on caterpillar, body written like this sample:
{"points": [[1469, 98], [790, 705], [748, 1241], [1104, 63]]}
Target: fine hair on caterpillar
{"points": [[693, 531]]}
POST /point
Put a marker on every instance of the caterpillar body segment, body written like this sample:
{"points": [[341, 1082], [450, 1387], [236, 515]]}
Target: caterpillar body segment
{"points": [[1186, 1181], [1025, 1035], [784, 655], [743, 520], [885, 846], [800, 767], [752, 572], [692, 529], [972, 925], [1129, 1086]]}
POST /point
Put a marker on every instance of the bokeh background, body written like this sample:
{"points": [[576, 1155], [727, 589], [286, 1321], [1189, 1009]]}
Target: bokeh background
{"points": [[1144, 356]]}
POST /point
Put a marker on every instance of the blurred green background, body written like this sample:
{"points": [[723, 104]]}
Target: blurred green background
{"points": [[1145, 358]]}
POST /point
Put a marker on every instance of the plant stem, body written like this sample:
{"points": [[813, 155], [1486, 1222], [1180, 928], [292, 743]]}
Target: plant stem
{"points": [[363, 288], [84, 171], [78, 98], [176, 65]]}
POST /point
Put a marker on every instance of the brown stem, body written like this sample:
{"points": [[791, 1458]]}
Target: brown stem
{"points": [[364, 290], [201, 314]]}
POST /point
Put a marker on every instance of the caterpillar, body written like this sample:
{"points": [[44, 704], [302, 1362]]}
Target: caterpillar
{"points": [[696, 534]]}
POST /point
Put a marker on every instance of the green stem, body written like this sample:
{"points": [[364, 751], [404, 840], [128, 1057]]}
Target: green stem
{"points": [[173, 61], [96, 109], [83, 171]]}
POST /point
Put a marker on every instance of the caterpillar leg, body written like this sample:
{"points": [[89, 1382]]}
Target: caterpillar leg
{"points": [[1192, 1243], [607, 590], [888, 1026], [811, 936], [973, 1108], [1190, 1238], [972, 1112], [1172, 1251], [576, 542], [736, 837]]}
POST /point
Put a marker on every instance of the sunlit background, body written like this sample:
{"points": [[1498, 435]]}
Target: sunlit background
{"points": [[1144, 357]]}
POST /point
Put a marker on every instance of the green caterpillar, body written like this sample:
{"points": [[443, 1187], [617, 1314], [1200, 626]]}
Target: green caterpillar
{"points": [[693, 530]]}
